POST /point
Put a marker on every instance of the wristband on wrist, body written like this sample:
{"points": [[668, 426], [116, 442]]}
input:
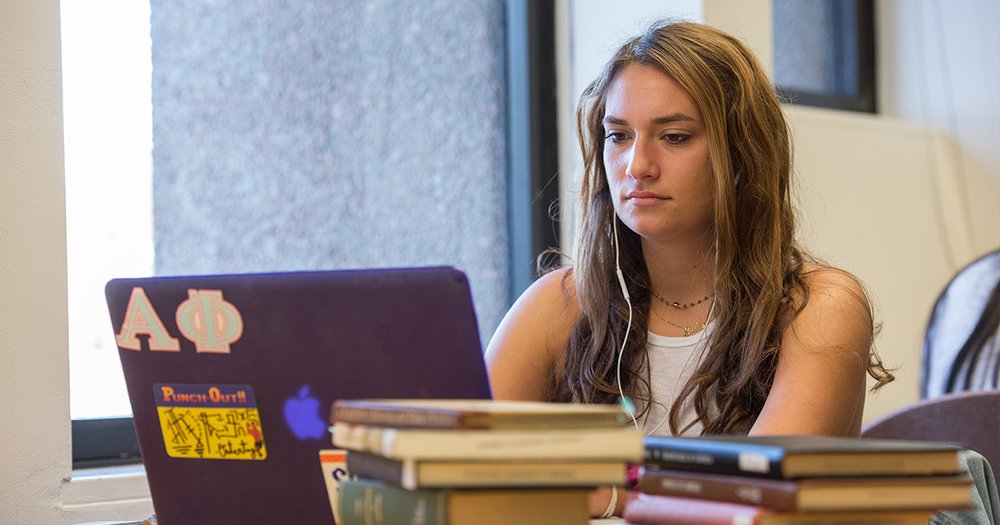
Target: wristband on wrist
{"points": [[612, 505]]}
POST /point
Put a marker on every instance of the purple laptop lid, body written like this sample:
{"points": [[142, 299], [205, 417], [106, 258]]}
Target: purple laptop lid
{"points": [[231, 377]]}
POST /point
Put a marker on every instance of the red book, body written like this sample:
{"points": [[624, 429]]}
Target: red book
{"points": [[815, 494], [647, 509]]}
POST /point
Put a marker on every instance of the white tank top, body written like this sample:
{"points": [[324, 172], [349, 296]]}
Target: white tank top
{"points": [[672, 361]]}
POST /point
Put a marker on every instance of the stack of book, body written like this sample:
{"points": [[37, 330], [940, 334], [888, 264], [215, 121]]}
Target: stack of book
{"points": [[796, 480], [478, 462]]}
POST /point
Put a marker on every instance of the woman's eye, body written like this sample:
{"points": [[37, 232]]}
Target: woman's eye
{"points": [[676, 138], [614, 137]]}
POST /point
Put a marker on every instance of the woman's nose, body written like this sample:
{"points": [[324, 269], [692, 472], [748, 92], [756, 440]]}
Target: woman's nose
{"points": [[640, 163]]}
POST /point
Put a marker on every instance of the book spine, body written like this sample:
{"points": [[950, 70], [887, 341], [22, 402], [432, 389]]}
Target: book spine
{"points": [[667, 510], [368, 502], [718, 458], [607, 444], [737, 489], [650, 509], [412, 475], [855, 519], [390, 418], [372, 466]]}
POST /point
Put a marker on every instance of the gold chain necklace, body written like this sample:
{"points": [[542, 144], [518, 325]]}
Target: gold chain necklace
{"points": [[676, 304], [688, 330]]}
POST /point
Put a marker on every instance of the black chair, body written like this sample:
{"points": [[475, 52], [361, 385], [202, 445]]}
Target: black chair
{"points": [[961, 349]]}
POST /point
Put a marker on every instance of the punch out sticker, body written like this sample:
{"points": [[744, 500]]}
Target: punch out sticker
{"points": [[210, 421]]}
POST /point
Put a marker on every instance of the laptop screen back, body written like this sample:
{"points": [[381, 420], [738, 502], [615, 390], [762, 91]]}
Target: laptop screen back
{"points": [[231, 377]]}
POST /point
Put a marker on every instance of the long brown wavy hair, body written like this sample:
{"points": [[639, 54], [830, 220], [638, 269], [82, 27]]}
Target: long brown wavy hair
{"points": [[759, 268]]}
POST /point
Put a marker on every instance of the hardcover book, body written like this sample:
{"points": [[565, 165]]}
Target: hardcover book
{"points": [[609, 444], [646, 509], [815, 494], [789, 457], [475, 414], [416, 474], [370, 502]]}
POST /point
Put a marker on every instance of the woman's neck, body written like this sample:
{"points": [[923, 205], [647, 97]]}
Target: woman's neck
{"points": [[680, 272]]}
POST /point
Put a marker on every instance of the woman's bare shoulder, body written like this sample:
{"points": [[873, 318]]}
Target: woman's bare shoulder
{"points": [[557, 281], [545, 312], [837, 314], [819, 381], [828, 283], [553, 297], [527, 349]]}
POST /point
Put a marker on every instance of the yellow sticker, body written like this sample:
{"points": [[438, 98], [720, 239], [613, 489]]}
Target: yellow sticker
{"points": [[210, 421]]}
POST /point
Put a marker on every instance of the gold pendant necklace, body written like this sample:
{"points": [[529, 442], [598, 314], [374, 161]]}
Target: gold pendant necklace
{"points": [[676, 304], [688, 330]]}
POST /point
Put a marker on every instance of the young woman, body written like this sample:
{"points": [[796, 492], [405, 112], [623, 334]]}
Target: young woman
{"points": [[688, 295]]}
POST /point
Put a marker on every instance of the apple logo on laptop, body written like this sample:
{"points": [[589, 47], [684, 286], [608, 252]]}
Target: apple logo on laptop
{"points": [[302, 416]]}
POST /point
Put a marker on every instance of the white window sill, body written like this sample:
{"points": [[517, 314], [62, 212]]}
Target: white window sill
{"points": [[107, 493]]}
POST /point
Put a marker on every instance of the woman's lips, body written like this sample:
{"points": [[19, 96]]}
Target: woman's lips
{"points": [[645, 198]]}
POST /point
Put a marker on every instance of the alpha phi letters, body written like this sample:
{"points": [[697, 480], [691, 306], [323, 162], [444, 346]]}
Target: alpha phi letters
{"points": [[205, 319]]}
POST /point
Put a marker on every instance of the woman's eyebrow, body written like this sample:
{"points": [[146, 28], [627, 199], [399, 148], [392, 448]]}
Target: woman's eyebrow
{"points": [[675, 117], [667, 119]]}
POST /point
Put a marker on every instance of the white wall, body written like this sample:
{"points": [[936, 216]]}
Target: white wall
{"points": [[901, 199], [34, 382], [939, 66], [35, 465]]}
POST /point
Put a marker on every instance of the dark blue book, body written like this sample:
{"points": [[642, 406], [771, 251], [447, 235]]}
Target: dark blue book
{"points": [[792, 457]]}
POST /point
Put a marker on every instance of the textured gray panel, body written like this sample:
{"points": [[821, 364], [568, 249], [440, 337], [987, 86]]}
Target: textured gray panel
{"points": [[804, 52], [331, 134]]}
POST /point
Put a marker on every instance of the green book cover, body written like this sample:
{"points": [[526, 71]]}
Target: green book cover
{"points": [[371, 502]]}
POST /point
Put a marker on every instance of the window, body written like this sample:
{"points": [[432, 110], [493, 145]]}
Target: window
{"points": [[323, 135], [824, 53], [108, 141]]}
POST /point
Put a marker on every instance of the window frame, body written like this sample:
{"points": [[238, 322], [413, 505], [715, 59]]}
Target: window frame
{"points": [[866, 100], [104, 442], [532, 188], [532, 137]]}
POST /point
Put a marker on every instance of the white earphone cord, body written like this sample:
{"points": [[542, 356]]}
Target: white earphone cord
{"points": [[628, 329], [626, 402]]}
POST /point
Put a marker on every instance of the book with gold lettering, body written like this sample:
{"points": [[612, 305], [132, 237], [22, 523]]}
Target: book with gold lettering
{"points": [[790, 457]]}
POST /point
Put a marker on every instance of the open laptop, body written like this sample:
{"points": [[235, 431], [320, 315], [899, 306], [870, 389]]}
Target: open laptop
{"points": [[231, 377]]}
